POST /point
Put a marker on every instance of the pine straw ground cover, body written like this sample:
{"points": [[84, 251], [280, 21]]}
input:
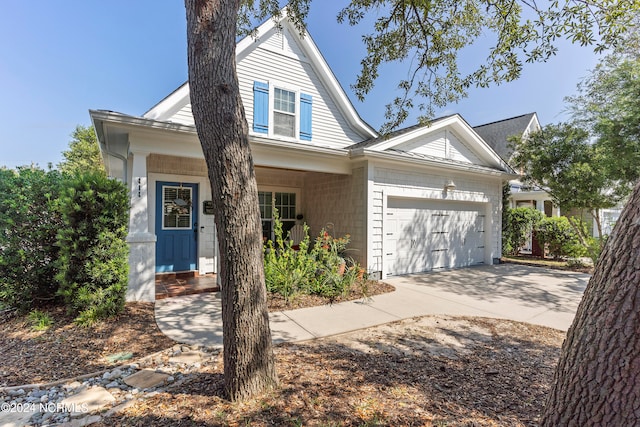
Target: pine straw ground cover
{"points": [[429, 371], [435, 370], [66, 350]]}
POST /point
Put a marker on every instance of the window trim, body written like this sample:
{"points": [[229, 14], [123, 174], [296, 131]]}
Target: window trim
{"points": [[273, 85], [264, 111], [191, 208], [274, 189], [295, 114]]}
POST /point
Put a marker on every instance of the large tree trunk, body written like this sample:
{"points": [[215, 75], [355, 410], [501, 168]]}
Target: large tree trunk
{"points": [[597, 382], [223, 131]]}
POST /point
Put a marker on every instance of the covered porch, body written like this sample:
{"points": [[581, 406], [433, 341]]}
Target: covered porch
{"points": [[171, 221], [181, 222]]}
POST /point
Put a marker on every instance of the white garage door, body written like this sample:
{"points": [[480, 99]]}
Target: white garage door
{"points": [[422, 235]]}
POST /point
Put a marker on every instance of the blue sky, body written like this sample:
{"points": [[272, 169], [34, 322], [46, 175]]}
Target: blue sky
{"points": [[58, 59]]}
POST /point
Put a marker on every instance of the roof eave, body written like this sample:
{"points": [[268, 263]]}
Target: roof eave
{"points": [[337, 152], [113, 117], [364, 154]]}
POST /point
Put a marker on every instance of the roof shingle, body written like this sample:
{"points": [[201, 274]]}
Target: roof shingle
{"points": [[496, 133]]}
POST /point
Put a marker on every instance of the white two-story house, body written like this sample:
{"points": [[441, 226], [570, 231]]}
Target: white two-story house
{"points": [[419, 199]]}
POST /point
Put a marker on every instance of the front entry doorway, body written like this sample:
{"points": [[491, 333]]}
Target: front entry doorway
{"points": [[176, 226]]}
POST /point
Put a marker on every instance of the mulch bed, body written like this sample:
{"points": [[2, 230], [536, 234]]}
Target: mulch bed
{"points": [[277, 302], [328, 382], [546, 263], [384, 375], [66, 350]]}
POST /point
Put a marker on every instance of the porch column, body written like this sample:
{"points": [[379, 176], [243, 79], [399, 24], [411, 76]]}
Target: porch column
{"points": [[142, 243]]}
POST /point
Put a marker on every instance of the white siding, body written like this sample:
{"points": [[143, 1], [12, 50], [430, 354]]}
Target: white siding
{"points": [[278, 58], [274, 40], [184, 116], [282, 40], [376, 232], [444, 144], [431, 145], [419, 185], [459, 151], [330, 129]]}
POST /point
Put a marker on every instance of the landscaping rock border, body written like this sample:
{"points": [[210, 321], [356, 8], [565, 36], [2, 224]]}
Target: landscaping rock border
{"points": [[87, 399]]}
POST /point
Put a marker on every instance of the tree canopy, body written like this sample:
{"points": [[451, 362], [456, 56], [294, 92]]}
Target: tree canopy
{"points": [[560, 159], [83, 154], [608, 106], [592, 161], [431, 36]]}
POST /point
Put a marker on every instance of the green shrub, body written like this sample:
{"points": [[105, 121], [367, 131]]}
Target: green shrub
{"points": [[595, 246], [559, 237], [516, 227], [336, 272], [318, 270], [40, 321], [93, 265], [287, 270], [29, 222]]}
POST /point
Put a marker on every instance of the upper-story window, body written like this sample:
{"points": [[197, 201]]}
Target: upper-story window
{"points": [[284, 112], [281, 113]]}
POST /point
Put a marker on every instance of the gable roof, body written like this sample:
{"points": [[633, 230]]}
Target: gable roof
{"points": [[171, 104], [496, 133], [397, 144], [396, 133]]}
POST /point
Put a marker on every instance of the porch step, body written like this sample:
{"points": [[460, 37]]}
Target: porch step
{"points": [[183, 275], [184, 283]]}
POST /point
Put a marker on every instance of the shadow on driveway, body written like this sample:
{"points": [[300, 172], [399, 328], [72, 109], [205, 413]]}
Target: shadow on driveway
{"points": [[531, 286], [509, 291]]}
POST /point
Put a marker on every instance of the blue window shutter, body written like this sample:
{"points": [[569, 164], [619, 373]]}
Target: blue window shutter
{"points": [[306, 102], [261, 107]]}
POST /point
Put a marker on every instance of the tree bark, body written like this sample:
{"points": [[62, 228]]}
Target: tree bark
{"points": [[220, 120], [597, 382]]}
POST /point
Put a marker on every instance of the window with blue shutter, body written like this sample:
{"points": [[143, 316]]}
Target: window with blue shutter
{"points": [[261, 107], [305, 116]]}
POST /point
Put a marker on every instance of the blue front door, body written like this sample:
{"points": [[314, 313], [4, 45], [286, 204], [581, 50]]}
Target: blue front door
{"points": [[176, 226]]}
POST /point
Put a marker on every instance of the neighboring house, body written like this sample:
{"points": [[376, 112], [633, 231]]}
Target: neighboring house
{"points": [[419, 199], [497, 135]]}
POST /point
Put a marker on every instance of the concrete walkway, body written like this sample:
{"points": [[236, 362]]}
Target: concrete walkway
{"points": [[509, 291]]}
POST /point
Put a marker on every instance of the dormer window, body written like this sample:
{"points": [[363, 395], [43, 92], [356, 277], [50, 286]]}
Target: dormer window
{"points": [[284, 113]]}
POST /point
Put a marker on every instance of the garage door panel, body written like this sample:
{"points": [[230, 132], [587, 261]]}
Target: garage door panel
{"points": [[422, 235]]}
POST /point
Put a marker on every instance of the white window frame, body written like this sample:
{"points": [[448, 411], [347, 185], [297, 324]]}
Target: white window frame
{"points": [[177, 187], [273, 85], [274, 190]]}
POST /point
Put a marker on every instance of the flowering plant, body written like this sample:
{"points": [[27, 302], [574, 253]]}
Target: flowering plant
{"points": [[320, 269], [336, 246]]}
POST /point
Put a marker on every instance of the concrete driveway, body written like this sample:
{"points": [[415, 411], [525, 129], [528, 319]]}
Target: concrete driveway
{"points": [[527, 294]]}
